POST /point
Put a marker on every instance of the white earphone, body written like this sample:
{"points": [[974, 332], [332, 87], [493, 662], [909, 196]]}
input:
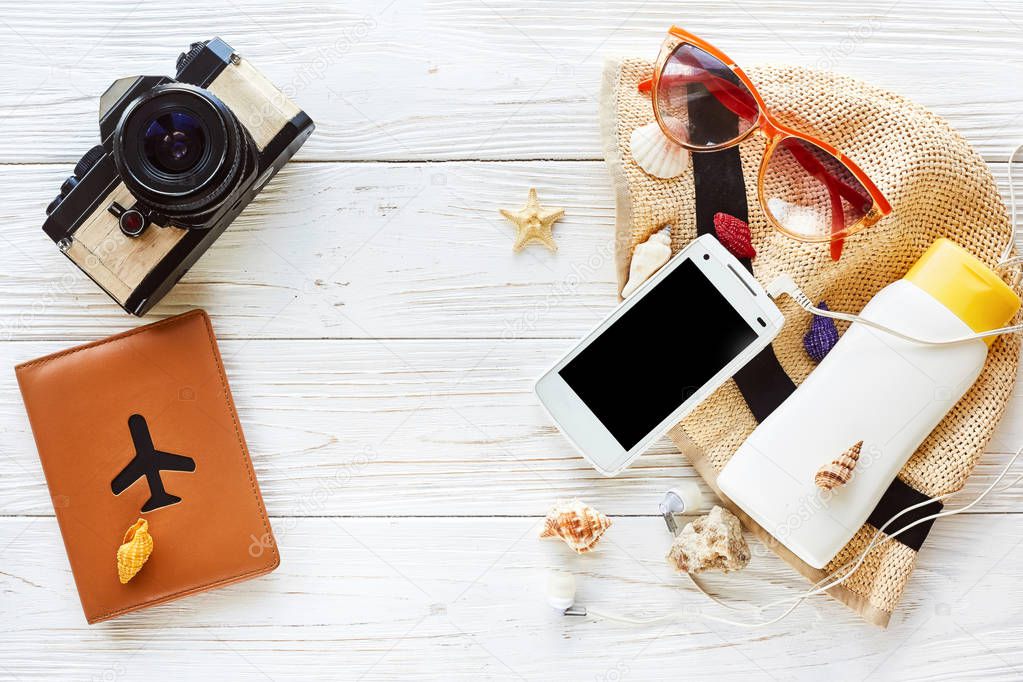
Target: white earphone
{"points": [[687, 498]]}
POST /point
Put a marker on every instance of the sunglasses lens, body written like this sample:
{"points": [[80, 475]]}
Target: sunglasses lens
{"points": [[811, 194], [701, 102]]}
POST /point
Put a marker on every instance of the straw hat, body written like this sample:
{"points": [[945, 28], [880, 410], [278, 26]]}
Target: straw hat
{"points": [[938, 187]]}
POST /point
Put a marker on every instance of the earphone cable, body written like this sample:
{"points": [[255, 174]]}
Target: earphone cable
{"points": [[820, 587], [861, 558], [784, 284], [1005, 260]]}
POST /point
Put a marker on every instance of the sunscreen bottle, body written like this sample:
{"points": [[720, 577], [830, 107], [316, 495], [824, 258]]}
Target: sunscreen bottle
{"points": [[872, 387]]}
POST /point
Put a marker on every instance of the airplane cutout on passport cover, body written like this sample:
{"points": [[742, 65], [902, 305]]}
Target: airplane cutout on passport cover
{"points": [[149, 462]]}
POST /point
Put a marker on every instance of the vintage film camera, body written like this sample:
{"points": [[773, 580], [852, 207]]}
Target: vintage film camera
{"points": [[180, 158]]}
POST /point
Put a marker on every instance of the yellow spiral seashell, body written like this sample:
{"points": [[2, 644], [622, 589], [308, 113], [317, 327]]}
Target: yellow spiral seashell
{"points": [[135, 551]]}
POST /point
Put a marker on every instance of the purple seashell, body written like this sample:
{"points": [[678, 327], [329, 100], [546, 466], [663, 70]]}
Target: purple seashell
{"points": [[822, 337]]}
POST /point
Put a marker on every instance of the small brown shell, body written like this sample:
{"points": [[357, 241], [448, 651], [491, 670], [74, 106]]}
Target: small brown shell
{"points": [[134, 553], [838, 472], [577, 523]]}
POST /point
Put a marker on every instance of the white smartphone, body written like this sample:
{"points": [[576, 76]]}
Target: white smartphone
{"points": [[681, 335]]}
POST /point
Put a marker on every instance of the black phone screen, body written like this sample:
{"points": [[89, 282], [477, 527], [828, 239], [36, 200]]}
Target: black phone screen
{"points": [[658, 354]]}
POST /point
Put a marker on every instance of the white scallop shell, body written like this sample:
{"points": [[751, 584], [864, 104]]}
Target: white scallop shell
{"points": [[656, 154], [647, 259]]}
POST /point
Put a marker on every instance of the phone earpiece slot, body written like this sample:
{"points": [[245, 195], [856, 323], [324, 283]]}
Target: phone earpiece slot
{"points": [[744, 282]]}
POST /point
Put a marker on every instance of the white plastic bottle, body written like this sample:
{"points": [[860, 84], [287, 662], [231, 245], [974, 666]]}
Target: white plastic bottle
{"points": [[871, 387]]}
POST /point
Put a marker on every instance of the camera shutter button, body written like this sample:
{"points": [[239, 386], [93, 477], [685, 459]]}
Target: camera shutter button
{"points": [[132, 222]]}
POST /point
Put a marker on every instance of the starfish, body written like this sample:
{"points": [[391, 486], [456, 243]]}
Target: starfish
{"points": [[533, 222]]}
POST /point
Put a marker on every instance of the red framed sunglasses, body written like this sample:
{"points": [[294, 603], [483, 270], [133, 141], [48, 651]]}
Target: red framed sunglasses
{"points": [[809, 190]]}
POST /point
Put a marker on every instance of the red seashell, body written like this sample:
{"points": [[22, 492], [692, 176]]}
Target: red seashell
{"points": [[734, 235]]}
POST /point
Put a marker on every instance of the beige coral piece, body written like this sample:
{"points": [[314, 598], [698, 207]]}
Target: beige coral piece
{"points": [[577, 523], [135, 551], [710, 543], [534, 223], [838, 471]]}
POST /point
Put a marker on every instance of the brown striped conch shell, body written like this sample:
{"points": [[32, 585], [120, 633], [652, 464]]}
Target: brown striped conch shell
{"points": [[577, 523], [135, 551], [648, 258], [838, 472]]}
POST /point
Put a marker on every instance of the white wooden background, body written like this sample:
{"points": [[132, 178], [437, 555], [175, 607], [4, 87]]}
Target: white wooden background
{"points": [[381, 339]]}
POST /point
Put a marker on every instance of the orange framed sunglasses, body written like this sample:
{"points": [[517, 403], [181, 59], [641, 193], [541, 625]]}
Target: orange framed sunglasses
{"points": [[809, 190]]}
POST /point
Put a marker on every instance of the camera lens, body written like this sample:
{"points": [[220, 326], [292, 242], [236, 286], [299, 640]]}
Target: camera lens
{"points": [[174, 141], [182, 153]]}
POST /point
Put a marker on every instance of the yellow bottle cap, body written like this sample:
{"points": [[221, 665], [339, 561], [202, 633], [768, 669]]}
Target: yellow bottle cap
{"points": [[964, 285]]}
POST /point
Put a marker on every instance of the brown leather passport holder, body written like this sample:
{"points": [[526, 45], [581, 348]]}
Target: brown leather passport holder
{"points": [[142, 424]]}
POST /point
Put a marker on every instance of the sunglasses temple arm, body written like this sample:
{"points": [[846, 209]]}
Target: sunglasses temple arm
{"points": [[723, 91], [817, 170], [834, 186], [837, 223], [721, 88]]}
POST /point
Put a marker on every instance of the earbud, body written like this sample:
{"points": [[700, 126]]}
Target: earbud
{"points": [[561, 596], [686, 498], [560, 590], [561, 593]]}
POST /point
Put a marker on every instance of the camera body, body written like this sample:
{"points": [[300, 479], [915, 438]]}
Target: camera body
{"points": [[179, 159]]}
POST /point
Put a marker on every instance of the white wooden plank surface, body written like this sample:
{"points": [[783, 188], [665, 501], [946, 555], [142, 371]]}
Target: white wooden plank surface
{"points": [[381, 339], [351, 250], [381, 599], [340, 428], [464, 79]]}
